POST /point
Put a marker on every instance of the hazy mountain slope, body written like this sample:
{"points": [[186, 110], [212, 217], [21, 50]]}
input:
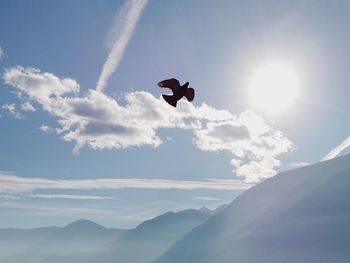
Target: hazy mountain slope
{"points": [[301, 215], [82, 236], [153, 237], [16, 241], [85, 241], [78, 240]]}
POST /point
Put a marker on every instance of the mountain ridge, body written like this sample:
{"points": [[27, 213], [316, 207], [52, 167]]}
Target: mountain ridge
{"points": [[152, 237], [276, 214]]}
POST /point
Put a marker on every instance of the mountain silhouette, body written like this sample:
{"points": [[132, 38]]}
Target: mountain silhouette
{"points": [[77, 242], [302, 215], [84, 241], [153, 237]]}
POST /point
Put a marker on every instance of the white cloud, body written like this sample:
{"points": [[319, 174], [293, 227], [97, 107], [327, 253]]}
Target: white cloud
{"points": [[123, 29], [11, 108], [253, 142], [257, 170], [75, 197], [42, 87], [27, 106], [10, 183], [337, 150], [102, 122], [46, 129], [299, 164]]}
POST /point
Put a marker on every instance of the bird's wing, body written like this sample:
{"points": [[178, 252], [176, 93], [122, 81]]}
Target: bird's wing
{"points": [[189, 94], [172, 84], [170, 99]]}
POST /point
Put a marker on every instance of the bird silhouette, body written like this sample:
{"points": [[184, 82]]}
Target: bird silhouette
{"points": [[178, 91]]}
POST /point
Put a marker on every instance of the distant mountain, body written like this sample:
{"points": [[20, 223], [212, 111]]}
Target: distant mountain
{"points": [[220, 208], [206, 210], [82, 236], [302, 215], [79, 239], [85, 226], [84, 241], [215, 211], [17, 241], [82, 229], [153, 237]]}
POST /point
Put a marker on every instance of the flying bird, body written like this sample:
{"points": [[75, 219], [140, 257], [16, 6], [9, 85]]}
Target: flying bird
{"points": [[178, 91]]}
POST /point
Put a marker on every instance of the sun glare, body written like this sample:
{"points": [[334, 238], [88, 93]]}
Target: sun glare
{"points": [[273, 88]]}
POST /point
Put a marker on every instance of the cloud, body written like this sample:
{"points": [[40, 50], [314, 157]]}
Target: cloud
{"points": [[42, 87], [11, 108], [75, 197], [299, 164], [124, 27], [8, 197], [10, 183], [256, 170], [253, 142], [206, 198], [46, 129], [27, 106], [337, 150], [100, 122], [243, 133]]}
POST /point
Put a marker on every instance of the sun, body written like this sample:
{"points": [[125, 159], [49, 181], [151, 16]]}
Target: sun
{"points": [[273, 88]]}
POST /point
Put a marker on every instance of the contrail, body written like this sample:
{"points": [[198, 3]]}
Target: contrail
{"points": [[126, 20], [337, 150]]}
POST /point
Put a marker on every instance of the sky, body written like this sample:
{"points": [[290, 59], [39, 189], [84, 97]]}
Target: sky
{"points": [[85, 132]]}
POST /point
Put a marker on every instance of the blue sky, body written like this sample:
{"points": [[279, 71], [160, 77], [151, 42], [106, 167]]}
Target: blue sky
{"points": [[55, 126]]}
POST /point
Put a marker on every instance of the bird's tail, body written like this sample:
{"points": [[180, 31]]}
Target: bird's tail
{"points": [[189, 94], [170, 99]]}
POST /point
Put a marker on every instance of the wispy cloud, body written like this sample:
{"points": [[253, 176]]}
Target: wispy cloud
{"points": [[27, 106], [206, 198], [125, 23], [8, 197], [10, 183], [298, 164], [337, 150], [75, 197], [45, 128], [11, 109]]}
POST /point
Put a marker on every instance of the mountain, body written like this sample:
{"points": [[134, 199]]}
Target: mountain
{"points": [[153, 237], [83, 230], [219, 209], [82, 236], [80, 239], [206, 210], [302, 215], [84, 226], [215, 211], [88, 242], [16, 241]]}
